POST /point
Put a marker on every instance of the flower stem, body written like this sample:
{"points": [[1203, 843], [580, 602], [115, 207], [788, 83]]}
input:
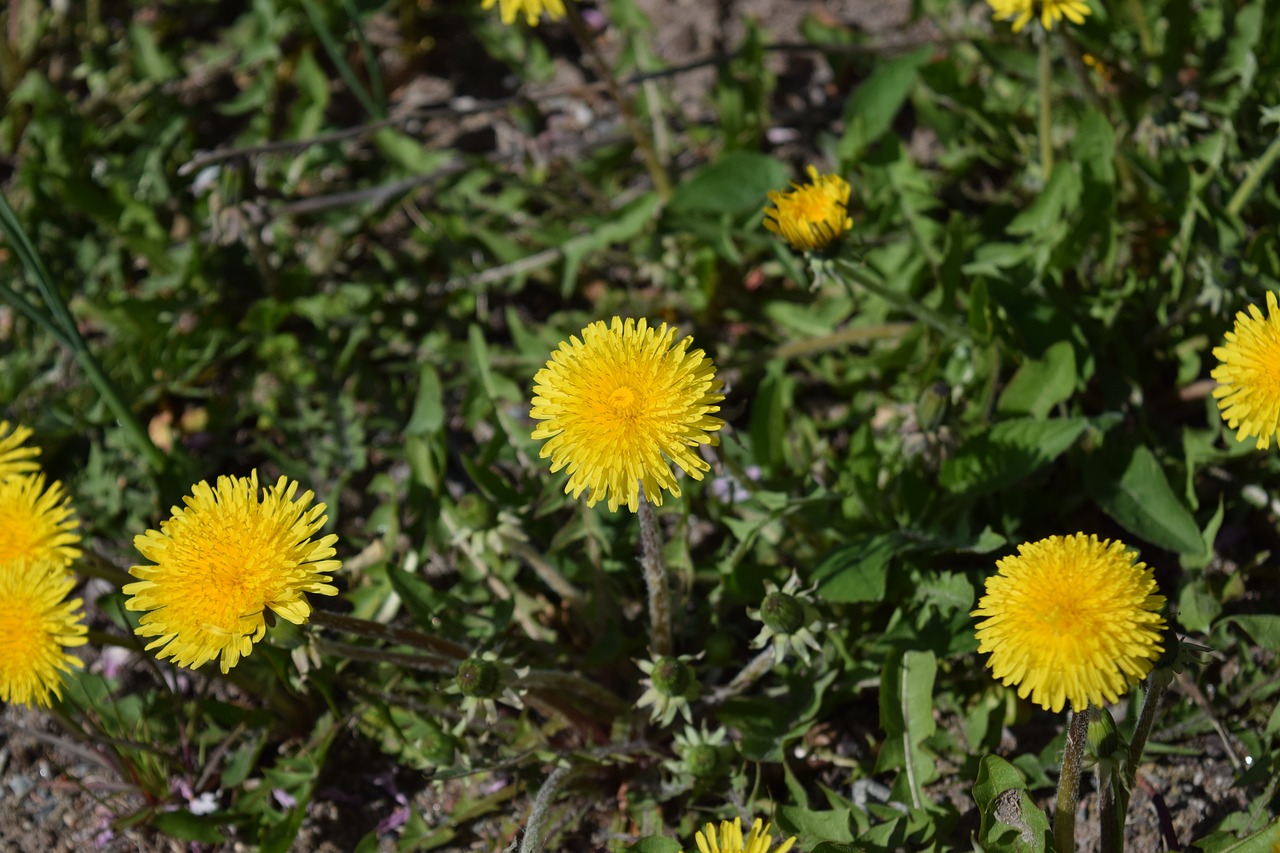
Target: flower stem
{"points": [[1046, 119], [1064, 815], [853, 272], [749, 675], [535, 829], [378, 631], [567, 682], [1146, 719], [349, 651], [655, 577], [1250, 183], [661, 182], [93, 565]]}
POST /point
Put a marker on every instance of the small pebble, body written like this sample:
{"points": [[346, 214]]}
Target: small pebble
{"points": [[20, 785]]}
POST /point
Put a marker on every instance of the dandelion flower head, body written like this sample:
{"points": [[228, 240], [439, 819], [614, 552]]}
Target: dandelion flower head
{"points": [[730, 840], [810, 216], [15, 456], [1071, 618], [532, 9], [36, 627], [36, 523], [221, 561], [618, 403], [1248, 393], [1051, 11]]}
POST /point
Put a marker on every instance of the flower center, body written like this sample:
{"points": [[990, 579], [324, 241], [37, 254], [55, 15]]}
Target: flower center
{"points": [[624, 403]]}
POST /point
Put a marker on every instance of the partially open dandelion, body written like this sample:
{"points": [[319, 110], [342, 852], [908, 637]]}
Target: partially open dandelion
{"points": [[1249, 374], [622, 403], [810, 216], [1051, 11], [1071, 618], [221, 562], [36, 523], [532, 9], [36, 627], [729, 839], [15, 456]]}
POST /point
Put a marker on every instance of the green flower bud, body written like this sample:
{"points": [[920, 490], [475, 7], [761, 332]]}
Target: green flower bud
{"points": [[703, 761], [474, 513], [782, 613], [1102, 738], [671, 677], [477, 678]]}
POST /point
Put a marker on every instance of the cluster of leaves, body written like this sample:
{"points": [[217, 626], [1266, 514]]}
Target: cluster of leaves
{"points": [[364, 309]]}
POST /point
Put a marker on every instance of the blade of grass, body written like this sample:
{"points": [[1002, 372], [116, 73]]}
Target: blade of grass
{"points": [[68, 334], [331, 48]]}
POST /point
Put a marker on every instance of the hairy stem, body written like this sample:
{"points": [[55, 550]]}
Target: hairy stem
{"points": [[1064, 815], [655, 577], [749, 675]]}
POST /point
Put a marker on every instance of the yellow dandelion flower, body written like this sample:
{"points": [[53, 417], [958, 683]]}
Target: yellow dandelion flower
{"points": [[532, 9], [618, 404], [14, 457], [222, 561], [1249, 375], [36, 523], [1071, 618], [730, 840], [36, 627], [1051, 11], [810, 216]]}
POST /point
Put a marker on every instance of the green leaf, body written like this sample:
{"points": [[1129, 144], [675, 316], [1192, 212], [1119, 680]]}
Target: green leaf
{"points": [[1264, 629], [1197, 607], [418, 596], [873, 105], [626, 223], [906, 715], [831, 824], [857, 571], [768, 427], [1008, 452], [186, 826], [980, 311], [1262, 841], [1039, 385], [736, 183], [1052, 206], [408, 153], [1010, 820], [655, 844], [1128, 484], [428, 406]]}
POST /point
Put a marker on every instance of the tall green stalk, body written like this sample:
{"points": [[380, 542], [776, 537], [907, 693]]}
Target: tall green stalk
{"points": [[1046, 109]]}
